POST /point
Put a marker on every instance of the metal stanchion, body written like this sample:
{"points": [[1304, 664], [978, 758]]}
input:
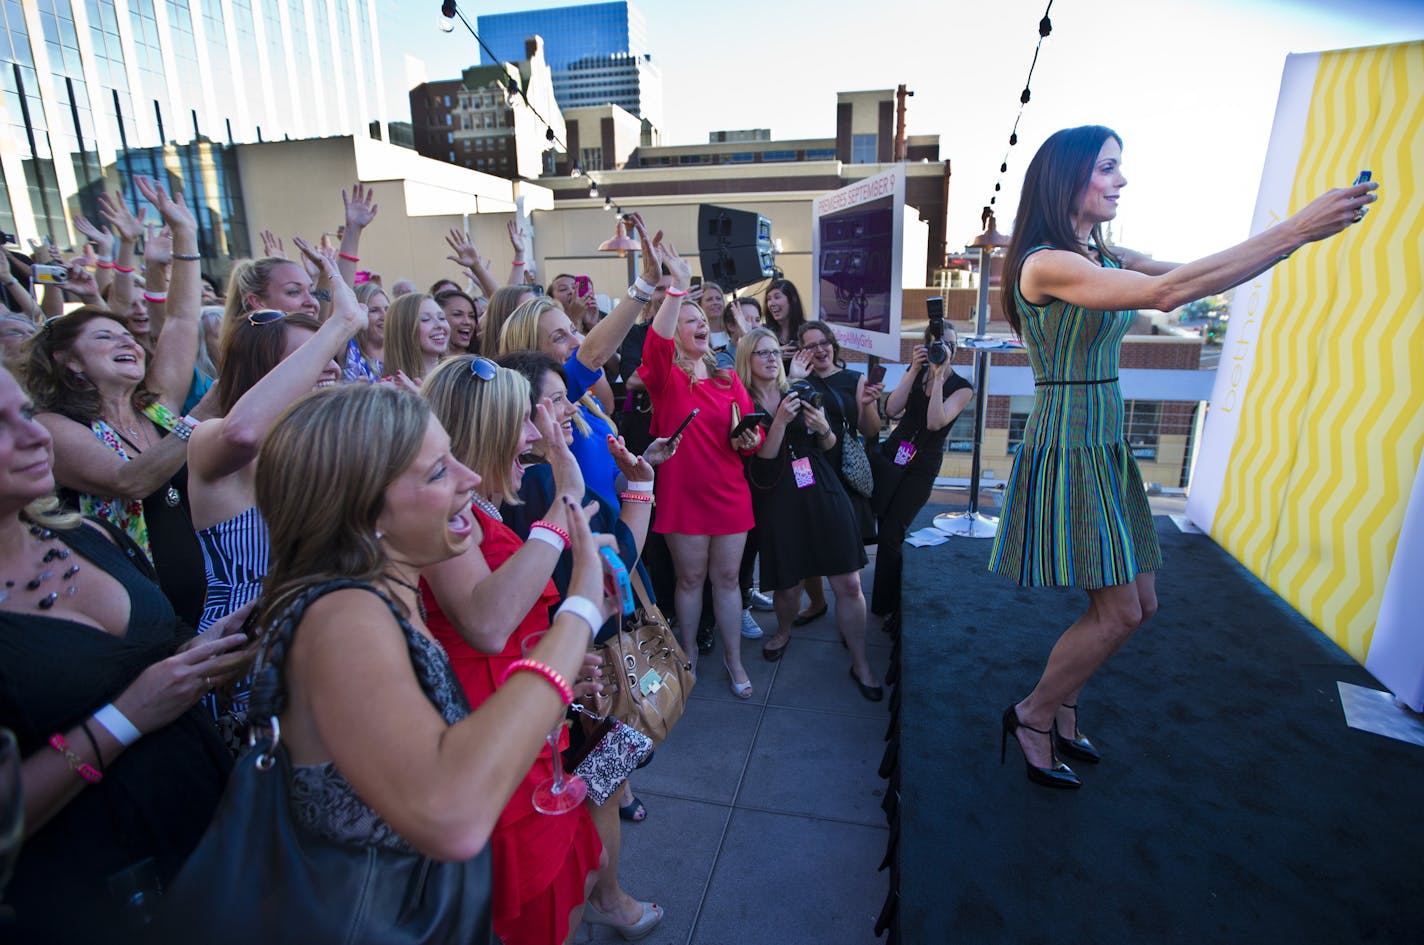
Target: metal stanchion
{"points": [[971, 523]]}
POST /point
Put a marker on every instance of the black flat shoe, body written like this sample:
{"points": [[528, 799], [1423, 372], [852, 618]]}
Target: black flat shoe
{"points": [[807, 616], [870, 693], [772, 655], [1078, 746], [1058, 775]]}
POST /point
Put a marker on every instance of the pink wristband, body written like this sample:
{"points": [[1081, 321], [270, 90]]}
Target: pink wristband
{"points": [[126, 270], [553, 676], [676, 293], [348, 257], [551, 527], [78, 764]]}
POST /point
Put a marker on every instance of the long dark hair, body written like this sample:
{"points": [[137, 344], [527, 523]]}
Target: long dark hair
{"points": [[795, 315], [251, 351], [59, 390], [1054, 179]]}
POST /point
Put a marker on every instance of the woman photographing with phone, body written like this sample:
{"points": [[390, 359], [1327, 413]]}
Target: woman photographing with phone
{"points": [[1075, 513]]}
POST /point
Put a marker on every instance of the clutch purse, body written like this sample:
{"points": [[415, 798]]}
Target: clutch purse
{"points": [[610, 752]]}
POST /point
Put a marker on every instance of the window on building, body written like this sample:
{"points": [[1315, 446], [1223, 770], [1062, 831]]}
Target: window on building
{"points": [[447, 101], [771, 156], [479, 144], [961, 431], [820, 154], [862, 149], [740, 157], [591, 159], [449, 137], [1019, 408]]}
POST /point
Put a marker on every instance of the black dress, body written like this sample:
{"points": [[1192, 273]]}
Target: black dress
{"points": [[901, 490], [155, 799], [803, 532], [842, 408]]}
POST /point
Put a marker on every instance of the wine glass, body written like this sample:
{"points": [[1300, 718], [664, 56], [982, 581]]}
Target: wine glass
{"points": [[561, 793], [12, 810]]}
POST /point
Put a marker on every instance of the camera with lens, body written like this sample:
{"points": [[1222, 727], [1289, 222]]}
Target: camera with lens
{"points": [[939, 349], [807, 394]]}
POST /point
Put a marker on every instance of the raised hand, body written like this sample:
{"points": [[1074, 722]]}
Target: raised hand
{"points": [[102, 239], [871, 394], [81, 281], [465, 253], [680, 268], [516, 238], [127, 224], [312, 256], [1333, 211], [272, 245], [800, 364], [171, 207], [158, 248], [361, 206], [651, 265]]}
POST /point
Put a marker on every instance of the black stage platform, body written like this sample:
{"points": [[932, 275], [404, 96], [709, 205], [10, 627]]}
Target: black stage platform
{"points": [[1233, 805]]}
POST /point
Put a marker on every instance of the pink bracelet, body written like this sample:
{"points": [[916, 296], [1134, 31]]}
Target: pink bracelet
{"points": [[675, 293], [104, 264], [554, 677], [155, 296], [556, 529], [82, 767], [126, 270], [636, 496], [349, 258], [517, 262]]}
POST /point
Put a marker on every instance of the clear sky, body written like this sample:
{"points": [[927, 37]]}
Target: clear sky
{"points": [[1189, 84]]}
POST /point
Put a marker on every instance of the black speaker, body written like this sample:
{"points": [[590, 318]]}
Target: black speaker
{"points": [[734, 246]]}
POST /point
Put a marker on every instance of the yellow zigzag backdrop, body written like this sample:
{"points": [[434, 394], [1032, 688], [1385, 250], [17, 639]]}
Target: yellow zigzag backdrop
{"points": [[1332, 426]]}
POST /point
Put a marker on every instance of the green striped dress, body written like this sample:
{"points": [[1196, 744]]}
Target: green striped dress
{"points": [[1075, 513]]}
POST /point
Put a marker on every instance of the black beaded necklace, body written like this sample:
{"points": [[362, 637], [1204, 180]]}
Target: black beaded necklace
{"points": [[45, 571]]}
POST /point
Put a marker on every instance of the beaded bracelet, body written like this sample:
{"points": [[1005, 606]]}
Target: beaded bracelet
{"points": [[636, 497], [78, 765], [126, 270], [557, 531], [348, 257], [676, 293], [552, 675]]}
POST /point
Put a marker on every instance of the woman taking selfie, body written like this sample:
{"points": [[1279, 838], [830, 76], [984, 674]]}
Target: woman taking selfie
{"points": [[1075, 513]]}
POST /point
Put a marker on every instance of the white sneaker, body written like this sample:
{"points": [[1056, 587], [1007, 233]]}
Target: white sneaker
{"points": [[760, 601], [750, 629]]}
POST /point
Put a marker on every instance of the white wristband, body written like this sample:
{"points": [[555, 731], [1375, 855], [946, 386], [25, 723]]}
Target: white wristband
{"points": [[548, 536], [639, 486], [643, 287], [586, 610], [118, 725]]}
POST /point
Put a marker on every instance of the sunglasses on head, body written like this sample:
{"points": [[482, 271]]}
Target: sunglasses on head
{"points": [[484, 368], [265, 316]]}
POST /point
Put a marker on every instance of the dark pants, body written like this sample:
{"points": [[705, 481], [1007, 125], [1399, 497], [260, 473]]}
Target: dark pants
{"points": [[909, 497]]}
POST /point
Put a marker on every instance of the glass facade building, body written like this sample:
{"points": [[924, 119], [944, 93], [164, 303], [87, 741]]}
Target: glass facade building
{"points": [[93, 91], [598, 53]]}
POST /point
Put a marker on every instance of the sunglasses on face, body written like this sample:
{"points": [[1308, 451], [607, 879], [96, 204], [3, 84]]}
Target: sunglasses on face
{"points": [[484, 369], [265, 316]]}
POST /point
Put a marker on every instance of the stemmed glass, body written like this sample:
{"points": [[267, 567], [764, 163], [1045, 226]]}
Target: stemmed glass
{"points": [[12, 810], [561, 793]]}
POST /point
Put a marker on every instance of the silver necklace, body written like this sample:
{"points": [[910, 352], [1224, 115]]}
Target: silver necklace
{"points": [[486, 506]]}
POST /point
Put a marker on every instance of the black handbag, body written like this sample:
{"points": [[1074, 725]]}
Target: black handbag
{"points": [[260, 878]]}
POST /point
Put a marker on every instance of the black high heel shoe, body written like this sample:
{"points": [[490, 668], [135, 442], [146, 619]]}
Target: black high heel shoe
{"points": [[1058, 775], [1078, 746]]}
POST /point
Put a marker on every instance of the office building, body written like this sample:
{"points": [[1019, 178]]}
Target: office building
{"points": [[476, 121], [96, 91], [598, 53]]}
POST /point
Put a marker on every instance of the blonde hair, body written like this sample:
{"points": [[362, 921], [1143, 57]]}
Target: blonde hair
{"points": [[364, 293], [249, 277], [745, 349], [485, 419], [522, 332], [501, 305], [346, 444], [709, 360], [402, 350]]}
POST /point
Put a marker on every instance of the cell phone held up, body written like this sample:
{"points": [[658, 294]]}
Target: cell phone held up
{"points": [[615, 580], [750, 421], [876, 374]]}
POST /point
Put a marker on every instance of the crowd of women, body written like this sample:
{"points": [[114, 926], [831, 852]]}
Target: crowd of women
{"points": [[365, 490]]}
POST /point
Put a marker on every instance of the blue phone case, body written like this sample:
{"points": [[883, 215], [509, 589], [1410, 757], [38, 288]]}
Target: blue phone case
{"points": [[619, 574]]}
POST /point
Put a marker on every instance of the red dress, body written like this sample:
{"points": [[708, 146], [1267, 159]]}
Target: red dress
{"points": [[540, 861], [702, 489]]}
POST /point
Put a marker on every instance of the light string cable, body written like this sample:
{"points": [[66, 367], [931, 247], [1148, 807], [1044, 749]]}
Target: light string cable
{"points": [[512, 87], [1045, 27]]}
